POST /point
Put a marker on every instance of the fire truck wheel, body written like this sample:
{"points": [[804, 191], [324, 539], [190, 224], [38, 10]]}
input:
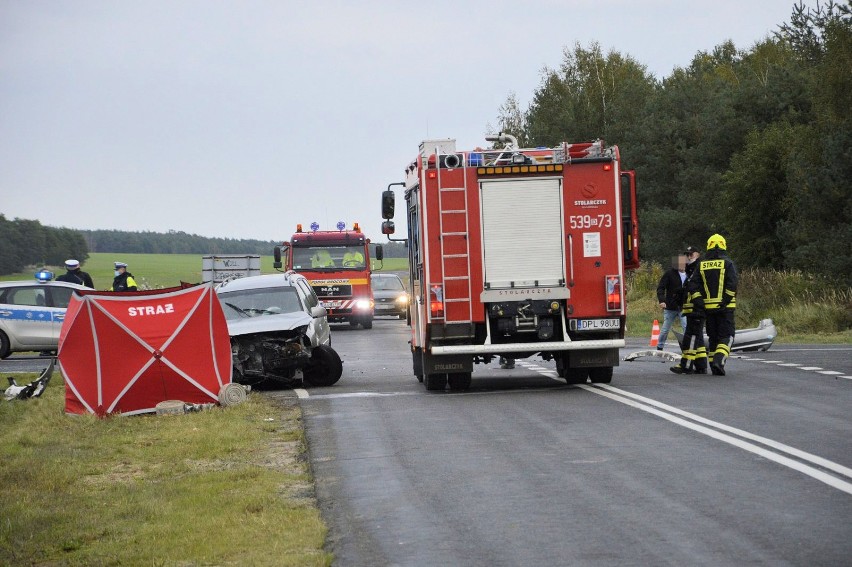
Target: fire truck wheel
{"points": [[367, 323], [325, 367], [435, 381], [576, 375], [602, 375], [417, 363], [459, 380]]}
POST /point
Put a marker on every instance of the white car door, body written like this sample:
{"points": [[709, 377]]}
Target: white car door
{"points": [[28, 319], [60, 297]]}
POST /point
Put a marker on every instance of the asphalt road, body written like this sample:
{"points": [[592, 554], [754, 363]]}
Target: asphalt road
{"points": [[654, 469]]}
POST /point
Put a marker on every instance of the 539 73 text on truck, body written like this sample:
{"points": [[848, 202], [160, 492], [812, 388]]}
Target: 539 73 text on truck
{"points": [[337, 264], [517, 252]]}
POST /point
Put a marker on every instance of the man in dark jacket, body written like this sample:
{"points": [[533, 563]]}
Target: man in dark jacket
{"points": [[719, 288], [692, 256], [123, 280], [75, 275], [670, 296]]}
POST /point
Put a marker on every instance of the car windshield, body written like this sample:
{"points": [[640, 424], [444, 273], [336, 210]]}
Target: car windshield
{"points": [[257, 302], [334, 257], [388, 284]]}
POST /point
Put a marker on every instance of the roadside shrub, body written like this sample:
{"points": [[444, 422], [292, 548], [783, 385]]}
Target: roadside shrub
{"points": [[797, 302]]}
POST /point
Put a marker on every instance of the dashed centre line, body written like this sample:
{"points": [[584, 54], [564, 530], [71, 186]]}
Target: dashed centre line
{"points": [[817, 369]]}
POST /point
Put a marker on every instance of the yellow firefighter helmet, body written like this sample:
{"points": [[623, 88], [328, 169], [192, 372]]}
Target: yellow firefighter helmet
{"points": [[717, 241]]}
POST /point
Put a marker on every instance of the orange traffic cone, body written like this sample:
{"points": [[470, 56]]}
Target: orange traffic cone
{"points": [[655, 333]]}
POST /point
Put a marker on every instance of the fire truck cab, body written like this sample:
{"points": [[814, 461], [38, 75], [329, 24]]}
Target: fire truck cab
{"points": [[337, 264], [516, 252]]}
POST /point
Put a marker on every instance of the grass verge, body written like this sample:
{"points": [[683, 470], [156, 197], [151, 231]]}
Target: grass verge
{"points": [[226, 486]]}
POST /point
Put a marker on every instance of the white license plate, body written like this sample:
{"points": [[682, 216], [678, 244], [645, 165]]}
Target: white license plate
{"points": [[384, 307], [598, 324], [331, 304]]}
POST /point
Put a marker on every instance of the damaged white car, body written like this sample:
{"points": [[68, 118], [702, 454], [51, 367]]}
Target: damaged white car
{"points": [[279, 331]]}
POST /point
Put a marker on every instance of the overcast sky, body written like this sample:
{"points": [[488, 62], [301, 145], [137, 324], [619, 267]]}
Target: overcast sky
{"points": [[240, 119]]}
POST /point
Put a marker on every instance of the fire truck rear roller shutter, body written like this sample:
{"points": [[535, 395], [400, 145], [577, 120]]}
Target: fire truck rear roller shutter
{"points": [[522, 233]]}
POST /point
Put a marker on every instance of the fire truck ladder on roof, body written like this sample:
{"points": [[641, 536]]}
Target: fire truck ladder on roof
{"points": [[453, 293]]}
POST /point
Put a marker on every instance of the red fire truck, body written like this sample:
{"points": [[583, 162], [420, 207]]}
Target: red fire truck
{"points": [[337, 263], [517, 252]]}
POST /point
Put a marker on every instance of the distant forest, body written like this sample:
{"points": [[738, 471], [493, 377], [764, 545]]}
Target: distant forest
{"points": [[28, 243], [754, 144]]}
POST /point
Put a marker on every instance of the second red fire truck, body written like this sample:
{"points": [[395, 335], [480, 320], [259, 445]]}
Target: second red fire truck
{"points": [[337, 263], [517, 252]]}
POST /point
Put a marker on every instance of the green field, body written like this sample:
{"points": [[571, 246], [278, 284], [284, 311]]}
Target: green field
{"points": [[156, 271]]}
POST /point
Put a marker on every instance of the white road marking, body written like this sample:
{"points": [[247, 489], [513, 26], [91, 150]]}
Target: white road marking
{"points": [[817, 369], [659, 409], [362, 395], [840, 469], [301, 392], [810, 349], [819, 475]]}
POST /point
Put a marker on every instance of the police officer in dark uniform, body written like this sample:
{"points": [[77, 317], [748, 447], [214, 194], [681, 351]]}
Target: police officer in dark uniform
{"points": [[123, 280], [719, 279], [75, 274]]}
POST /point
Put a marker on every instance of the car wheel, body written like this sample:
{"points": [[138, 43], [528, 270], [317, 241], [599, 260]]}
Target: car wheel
{"points": [[5, 345], [325, 367]]}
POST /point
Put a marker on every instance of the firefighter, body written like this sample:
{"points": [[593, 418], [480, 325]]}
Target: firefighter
{"points": [[694, 359], [123, 280], [719, 288]]}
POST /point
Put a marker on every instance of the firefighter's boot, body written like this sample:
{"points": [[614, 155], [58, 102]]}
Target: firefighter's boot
{"points": [[717, 365], [682, 368]]}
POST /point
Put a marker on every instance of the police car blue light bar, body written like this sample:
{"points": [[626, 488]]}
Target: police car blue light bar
{"points": [[44, 275]]}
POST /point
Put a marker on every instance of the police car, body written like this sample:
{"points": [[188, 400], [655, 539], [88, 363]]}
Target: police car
{"points": [[31, 313]]}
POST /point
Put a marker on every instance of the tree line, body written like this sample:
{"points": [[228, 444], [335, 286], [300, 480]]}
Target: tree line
{"points": [[25, 243], [754, 144], [28, 243]]}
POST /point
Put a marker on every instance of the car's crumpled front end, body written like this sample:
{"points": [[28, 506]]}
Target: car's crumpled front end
{"points": [[263, 348]]}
